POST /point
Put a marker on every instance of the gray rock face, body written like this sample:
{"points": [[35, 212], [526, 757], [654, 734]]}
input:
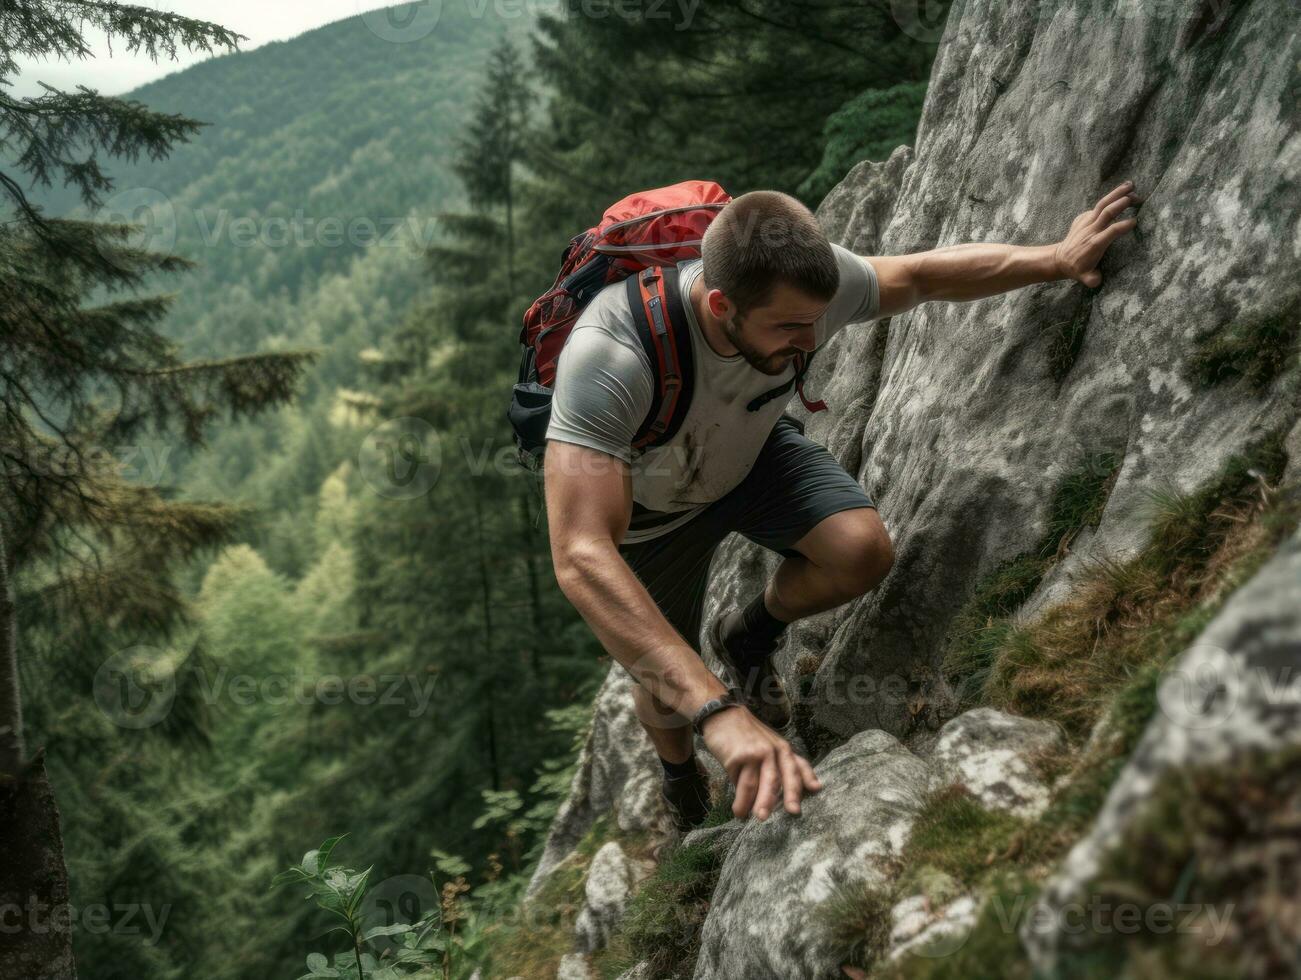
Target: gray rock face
{"points": [[763, 920], [574, 966], [617, 771], [1292, 475], [718, 839], [915, 926], [611, 880], [970, 414], [1237, 687], [992, 754], [960, 419]]}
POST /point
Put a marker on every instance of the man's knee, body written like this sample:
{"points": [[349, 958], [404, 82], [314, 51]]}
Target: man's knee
{"points": [[864, 552]]}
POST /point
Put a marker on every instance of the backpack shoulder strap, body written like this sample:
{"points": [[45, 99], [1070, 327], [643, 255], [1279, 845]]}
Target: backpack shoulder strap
{"points": [[655, 299], [796, 381]]}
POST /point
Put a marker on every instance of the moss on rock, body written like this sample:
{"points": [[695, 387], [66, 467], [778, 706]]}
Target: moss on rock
{"points": [[663, 921], [1211, 871], [1256, 348]]}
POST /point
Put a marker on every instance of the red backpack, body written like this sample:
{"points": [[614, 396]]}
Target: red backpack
{"points": [[639, 240]]}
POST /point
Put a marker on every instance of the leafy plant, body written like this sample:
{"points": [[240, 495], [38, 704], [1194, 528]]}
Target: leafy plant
{"points": [[341, 892]]}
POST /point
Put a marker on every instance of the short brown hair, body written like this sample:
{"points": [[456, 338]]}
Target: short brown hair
{"points": [[762, 238]]}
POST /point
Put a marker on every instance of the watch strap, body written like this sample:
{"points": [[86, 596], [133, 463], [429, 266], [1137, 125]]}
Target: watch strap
{"points": [[714, 705]]}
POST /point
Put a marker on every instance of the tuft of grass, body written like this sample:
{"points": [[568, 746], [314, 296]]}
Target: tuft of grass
{"points": [[955, 844], [1126, 616], [1082, 791], [855, 921], [1078, 502], [1256, 348], [1189, 528], [955, 835], [1066, 339], [982, 627]]}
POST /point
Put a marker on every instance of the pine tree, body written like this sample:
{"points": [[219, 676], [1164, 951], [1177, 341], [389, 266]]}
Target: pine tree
{"points": [[737, 92], [495, 142], [85, 373]]}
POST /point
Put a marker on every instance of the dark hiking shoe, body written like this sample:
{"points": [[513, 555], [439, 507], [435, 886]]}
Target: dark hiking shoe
{"points": [[765, 694], [687, 798]]}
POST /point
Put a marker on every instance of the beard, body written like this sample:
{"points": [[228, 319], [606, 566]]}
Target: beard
{"points": [[772, 364]]}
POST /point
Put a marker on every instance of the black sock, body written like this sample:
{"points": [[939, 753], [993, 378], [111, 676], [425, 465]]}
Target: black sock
{"points": [[676, 770], [759, 622]]}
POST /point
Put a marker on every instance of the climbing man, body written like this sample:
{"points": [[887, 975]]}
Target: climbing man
{"points": [[632, 535]]}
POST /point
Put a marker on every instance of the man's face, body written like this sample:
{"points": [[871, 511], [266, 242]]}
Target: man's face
{"points": [[770, 336]]}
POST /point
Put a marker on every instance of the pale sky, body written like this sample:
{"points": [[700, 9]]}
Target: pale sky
{"points": [[258, 20]]}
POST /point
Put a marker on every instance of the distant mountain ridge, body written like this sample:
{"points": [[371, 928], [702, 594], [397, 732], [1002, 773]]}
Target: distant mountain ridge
{"points": [[317, 149]]}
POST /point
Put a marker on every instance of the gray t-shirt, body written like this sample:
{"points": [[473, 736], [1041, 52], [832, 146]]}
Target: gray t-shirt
{"points": [[605, 385]]}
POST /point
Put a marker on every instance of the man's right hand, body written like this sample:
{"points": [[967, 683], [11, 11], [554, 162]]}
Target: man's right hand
{"points": [[761, 764]]}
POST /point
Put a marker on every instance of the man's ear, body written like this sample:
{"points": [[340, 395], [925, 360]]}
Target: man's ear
{"points": [[719, 305]]}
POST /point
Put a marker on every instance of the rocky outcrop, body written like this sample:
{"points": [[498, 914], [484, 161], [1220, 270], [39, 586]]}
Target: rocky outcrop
{"points": [[1033, 112], [917, 925], [1236, 689], [962, 419], [992, 754], [762, 920], [574, 966], [617, 773], [611, 879]]}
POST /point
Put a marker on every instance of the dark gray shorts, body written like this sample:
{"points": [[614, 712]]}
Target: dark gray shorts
{"points": [[794, 485]]}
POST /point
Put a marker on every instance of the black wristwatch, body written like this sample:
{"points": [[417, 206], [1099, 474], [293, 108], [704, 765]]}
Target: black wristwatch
{"points": [[731, 697]]}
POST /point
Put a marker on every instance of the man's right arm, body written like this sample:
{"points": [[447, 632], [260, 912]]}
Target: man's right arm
{"points": [[589, 501]]}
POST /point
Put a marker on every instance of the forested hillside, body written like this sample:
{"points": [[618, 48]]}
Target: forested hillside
{"points": [[380, 649]]}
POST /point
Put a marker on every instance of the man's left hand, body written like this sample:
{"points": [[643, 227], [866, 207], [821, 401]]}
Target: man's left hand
{"points": [[1092, 233]]}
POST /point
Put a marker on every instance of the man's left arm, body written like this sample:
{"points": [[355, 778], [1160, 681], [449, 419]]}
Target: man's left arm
{"points": [[963, 273]]}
